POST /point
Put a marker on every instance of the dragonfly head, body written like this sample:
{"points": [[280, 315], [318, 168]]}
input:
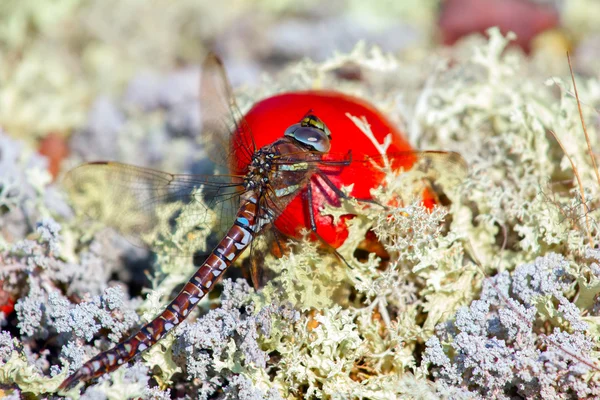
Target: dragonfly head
{"points": [[311, 132]]}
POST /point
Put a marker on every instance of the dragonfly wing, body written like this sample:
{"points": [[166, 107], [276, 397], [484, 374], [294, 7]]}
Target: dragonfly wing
{"points": [[271, 240], [444, 168], [151, 207], [225, 132]]}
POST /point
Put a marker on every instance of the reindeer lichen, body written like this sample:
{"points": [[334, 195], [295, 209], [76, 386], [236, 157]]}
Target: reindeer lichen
{"points": [[491, 293]]}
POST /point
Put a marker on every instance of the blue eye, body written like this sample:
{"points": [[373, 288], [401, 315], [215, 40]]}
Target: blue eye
{"points": [[311, 132]]}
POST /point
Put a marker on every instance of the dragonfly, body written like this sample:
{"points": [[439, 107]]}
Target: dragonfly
{"points": [[146, 205]]}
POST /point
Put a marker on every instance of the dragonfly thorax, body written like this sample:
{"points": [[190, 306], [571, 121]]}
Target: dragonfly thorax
{"points": [[259, 170]]}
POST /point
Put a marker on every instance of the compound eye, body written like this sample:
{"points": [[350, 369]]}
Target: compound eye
{"points": [[315, 122], [310, 137], [311, 132]]}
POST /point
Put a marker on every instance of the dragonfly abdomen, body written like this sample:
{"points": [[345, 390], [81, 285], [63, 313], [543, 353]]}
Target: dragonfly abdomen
{"points": [[231, 246]]}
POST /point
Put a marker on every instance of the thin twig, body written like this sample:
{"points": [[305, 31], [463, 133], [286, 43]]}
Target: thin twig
{"points": [[587, 137], [581, 191]]}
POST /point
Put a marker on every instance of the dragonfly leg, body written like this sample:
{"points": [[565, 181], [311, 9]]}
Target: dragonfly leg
{"points": [[342, 163], [278, 239], [341, 194], [256, 274], [308, 202], [257, 257], [313, 226]]}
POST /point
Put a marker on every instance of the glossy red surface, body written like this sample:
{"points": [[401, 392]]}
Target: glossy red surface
{"points": [[268, 120]]}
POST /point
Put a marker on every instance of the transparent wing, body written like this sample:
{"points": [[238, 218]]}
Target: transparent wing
{"points": [[427, 174], [441, 167], [448, 169], [155, 209], [446, 162], [226, 136]]}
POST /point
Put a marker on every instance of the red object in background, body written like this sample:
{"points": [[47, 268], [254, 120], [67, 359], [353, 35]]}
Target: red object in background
{"points": [[7, 303], [268, 120], [8, 306], [460, 18], [55, 148]]}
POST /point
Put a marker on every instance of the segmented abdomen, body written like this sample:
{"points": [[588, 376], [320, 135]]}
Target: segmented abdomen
{"points": [[231, 246]]}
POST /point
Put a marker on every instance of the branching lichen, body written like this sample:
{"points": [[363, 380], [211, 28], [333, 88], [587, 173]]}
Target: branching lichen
{"points": [[491, 293]]}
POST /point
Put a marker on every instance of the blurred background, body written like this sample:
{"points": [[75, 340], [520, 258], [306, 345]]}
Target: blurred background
{"points": [[73, 72]]}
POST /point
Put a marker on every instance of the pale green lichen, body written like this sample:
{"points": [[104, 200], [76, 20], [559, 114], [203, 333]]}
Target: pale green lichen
{"points": [[57, 57], [520, 214], [359, 332]]}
